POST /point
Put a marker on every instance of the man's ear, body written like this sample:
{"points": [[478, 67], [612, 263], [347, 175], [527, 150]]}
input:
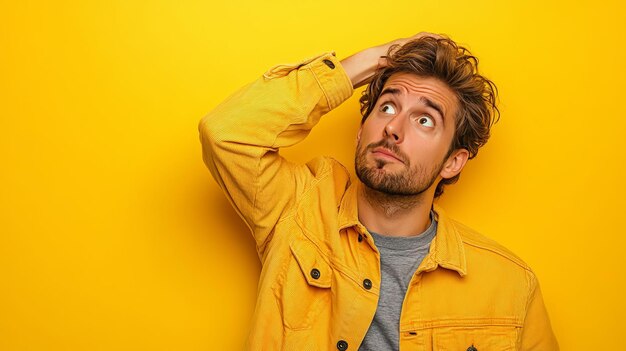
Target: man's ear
{"points": [[455, 163], [358, 135]]}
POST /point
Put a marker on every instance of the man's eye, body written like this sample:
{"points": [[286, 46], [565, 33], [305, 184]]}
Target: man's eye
{"points": [[426, 121], [387, 108]]}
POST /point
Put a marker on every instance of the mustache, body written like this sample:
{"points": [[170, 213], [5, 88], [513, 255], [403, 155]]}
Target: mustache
{"points": [[389, 146]]}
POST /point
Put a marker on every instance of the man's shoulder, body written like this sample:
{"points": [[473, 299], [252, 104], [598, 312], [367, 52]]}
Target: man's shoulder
{"points": [[481, 244], [321, 166], [329, 173], [327, 182]]}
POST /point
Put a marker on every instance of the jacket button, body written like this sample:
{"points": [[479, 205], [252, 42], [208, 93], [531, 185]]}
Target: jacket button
{"points": [[367, 284], [315, 273], [329, 63], [471, 348], [342, 345], [360, 237]]}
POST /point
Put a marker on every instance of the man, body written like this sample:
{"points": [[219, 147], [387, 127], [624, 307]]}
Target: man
{"points": [[372, 264]]}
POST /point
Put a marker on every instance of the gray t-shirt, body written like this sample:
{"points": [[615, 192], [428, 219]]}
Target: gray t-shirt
{"points": [[399, 259]]}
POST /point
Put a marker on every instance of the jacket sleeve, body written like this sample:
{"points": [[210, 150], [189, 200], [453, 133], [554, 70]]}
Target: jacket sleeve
{"points": [[241, 138], [537, 334]]}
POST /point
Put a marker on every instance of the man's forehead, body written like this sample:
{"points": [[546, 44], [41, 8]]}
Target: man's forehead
{"points": [[412, 82]]}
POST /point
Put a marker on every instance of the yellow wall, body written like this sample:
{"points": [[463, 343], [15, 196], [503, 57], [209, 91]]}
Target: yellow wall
{"points": [[113, 236]]}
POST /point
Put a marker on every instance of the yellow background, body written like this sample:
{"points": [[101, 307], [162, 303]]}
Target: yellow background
{"points": [[114, 236]]}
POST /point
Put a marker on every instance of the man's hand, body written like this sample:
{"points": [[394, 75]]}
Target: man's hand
{"points": [[362, 65]]}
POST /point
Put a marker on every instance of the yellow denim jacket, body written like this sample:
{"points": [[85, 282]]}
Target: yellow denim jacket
{"points": [[320, 276]]}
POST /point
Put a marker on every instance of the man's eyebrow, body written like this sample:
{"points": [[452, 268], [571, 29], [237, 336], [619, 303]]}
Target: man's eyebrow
{"points": [[392, 91], [426, 101], [433, 105]]}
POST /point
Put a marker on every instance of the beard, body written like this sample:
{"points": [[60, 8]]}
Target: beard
{"points": [[409, 181]]}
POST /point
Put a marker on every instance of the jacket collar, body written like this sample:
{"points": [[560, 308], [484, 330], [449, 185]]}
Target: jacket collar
{"points": [[446, 249]]}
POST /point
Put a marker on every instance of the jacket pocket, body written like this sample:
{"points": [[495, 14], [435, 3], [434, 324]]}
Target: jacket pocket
{"points": [[303, 291], [483, 338]]}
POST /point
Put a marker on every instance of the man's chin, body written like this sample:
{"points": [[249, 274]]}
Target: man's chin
{"points": [[378, 184], [385, 190], [385, 166]]}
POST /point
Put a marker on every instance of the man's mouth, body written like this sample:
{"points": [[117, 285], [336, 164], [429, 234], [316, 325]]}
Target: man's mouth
{"points": [[385, 153]]}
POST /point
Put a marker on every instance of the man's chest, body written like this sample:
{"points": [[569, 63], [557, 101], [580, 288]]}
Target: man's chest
{"points": [[329, 289]]}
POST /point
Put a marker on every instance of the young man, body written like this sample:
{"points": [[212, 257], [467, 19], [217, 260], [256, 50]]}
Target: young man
{"points": [[372, 264]]}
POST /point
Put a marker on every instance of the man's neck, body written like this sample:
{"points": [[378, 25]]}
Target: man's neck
{"points": [[393, 215]]}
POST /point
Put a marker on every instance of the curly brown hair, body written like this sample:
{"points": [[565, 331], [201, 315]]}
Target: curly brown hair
{"points": [[454, 65]]}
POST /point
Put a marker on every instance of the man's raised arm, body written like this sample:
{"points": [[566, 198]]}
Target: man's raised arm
{"points": [[242, 135]]}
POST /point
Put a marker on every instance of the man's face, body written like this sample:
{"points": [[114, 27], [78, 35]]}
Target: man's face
{"points": [[413, 120]]}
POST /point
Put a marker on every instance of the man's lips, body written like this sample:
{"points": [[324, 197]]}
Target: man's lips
{"points": [[387, 153]]}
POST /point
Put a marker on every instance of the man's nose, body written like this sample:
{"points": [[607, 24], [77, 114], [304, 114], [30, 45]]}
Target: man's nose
{"points": [[394, 128]]}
